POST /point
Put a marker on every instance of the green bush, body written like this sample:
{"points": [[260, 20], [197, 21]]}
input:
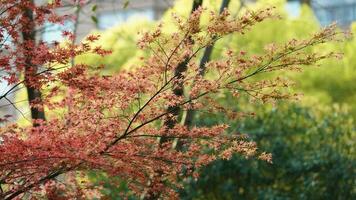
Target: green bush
{"points": [[313, 158]]}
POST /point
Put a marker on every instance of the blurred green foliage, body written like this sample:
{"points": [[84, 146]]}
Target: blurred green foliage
{"points": [[121, 41], [313, 157], [113, 188]]}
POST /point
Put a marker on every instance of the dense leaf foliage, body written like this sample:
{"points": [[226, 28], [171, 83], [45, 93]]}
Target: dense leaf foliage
{"points": [[313, 158], [111, 123]]}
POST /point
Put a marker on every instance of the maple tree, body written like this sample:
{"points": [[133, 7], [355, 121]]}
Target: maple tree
{"points": [[112, 123]]}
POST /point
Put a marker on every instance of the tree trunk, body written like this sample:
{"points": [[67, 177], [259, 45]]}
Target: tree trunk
{"points": [[308, 2], [174, 111], [33, 93], [188, 121], [178, 90]]}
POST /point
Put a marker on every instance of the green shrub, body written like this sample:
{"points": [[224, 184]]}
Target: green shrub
{"points": [[313, 158]]}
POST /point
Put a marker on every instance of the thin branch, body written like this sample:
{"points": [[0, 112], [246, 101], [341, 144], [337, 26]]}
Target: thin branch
{"points": [[126, 132], [173, 137], [18, 110], [24, 80]]}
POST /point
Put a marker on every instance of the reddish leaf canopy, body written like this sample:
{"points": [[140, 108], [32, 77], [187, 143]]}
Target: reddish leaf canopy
{"points": [[111, 123]]}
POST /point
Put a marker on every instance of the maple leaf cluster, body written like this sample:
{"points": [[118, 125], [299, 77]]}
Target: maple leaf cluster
{"points": [[112, 123]]}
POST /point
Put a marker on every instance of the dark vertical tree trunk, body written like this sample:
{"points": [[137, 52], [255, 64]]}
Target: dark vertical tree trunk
{"points": [[188, 121], [196, 4], [33, 93], [308, 2], [174, 111], [178, 89]]}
